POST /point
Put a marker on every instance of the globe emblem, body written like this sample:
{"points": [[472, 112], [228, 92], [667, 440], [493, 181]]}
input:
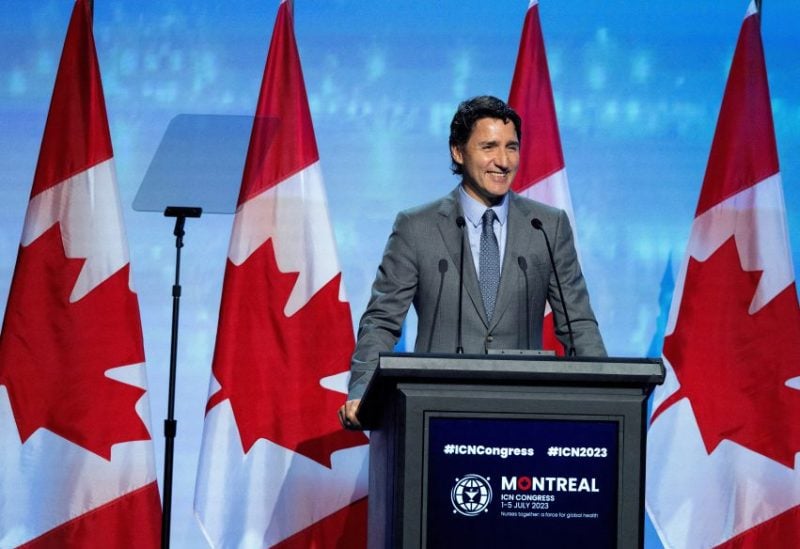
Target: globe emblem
{"points": [[471, 495]]}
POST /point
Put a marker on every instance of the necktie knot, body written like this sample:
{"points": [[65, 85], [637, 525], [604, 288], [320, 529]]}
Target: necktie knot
{"points": [[488, 218]]}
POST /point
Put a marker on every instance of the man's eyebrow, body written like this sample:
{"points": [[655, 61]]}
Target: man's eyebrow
{"points": [[494, 142]]}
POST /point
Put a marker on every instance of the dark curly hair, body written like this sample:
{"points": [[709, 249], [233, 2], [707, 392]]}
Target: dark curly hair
{"points": [[472, 110]]}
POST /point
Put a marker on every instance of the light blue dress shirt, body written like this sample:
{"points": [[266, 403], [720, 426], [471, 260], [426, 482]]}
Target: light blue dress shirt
{"points": [[473, 214]]}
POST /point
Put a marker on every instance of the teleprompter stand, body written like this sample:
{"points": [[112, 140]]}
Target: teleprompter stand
{"points": [[170, 424], [208, 151]]}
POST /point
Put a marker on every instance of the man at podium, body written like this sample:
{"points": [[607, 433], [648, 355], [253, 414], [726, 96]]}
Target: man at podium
{"points": [[518, 255]]}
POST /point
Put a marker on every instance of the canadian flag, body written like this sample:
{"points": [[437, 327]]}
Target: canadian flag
{"points": [[276, 468], [542, 174], [76, 456], [724, 435]]}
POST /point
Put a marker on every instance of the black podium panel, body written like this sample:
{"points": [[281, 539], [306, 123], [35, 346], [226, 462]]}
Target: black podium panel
{"points": [[467, 451], [480, 493]]}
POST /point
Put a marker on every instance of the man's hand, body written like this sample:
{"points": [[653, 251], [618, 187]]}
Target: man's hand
{"points": [[347, 414]]}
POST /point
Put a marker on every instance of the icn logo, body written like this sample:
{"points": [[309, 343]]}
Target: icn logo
{"points": [[471, 495]]}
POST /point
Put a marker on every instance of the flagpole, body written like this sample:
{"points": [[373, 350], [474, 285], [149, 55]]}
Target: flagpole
{"points": [[170, 424]]}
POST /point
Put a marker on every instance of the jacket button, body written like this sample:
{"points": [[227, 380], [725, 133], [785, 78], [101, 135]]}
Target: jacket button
{"points": [[489, 338]]}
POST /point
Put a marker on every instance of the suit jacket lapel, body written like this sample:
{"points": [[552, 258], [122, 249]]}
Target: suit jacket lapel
{"points": [[518, 234], [452, 235]]}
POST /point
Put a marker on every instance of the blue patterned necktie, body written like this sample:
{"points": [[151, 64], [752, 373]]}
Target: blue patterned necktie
{"points": [[489, 263]]}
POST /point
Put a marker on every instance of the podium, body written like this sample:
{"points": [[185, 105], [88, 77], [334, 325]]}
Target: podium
{"points": [[510, 450]]}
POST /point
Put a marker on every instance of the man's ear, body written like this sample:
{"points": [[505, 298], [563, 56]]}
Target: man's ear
{"points": [[455, 153]]}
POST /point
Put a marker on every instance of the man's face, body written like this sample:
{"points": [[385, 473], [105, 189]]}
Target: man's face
{"points": [[489, 159]]}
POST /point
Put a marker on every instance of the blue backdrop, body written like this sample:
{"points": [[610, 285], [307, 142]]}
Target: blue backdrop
{"points": [[637, 86]]}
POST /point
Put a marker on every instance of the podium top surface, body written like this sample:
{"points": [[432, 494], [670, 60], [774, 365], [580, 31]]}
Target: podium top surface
{"points": [[509, 368], [521, 367]]}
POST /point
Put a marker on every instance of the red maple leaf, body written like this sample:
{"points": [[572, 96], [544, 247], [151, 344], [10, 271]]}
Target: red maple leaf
{"points": [[733, 366], [54, 354], [270, 365]]}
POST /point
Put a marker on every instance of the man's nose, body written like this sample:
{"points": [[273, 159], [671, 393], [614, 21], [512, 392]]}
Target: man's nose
{"points": [[501, 160]]}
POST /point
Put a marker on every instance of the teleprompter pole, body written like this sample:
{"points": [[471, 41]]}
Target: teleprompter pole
{"points": [[170, 424]]}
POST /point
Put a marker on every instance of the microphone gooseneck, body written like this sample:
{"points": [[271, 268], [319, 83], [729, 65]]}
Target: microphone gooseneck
{"points": [[459, 344], [537, 224], [442, 271], [523, 265]]}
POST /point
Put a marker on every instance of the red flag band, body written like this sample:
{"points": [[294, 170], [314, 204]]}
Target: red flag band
{"points": [[76, 455], [542, 174], [275, 466], [724, 436]]}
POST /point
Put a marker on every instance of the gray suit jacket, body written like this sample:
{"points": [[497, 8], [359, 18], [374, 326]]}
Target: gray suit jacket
{"points": [[410, 273]]}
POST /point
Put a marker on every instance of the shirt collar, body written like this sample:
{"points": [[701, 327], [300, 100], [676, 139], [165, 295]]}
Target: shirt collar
{"points": [[473, 210]]}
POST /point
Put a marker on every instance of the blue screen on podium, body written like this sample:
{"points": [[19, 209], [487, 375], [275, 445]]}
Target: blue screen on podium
{"points": [[521, 482]]}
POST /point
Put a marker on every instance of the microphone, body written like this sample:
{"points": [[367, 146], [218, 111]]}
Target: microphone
{"points": [[442, 271], [537, 224], [524, 266], [461, 224]]}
